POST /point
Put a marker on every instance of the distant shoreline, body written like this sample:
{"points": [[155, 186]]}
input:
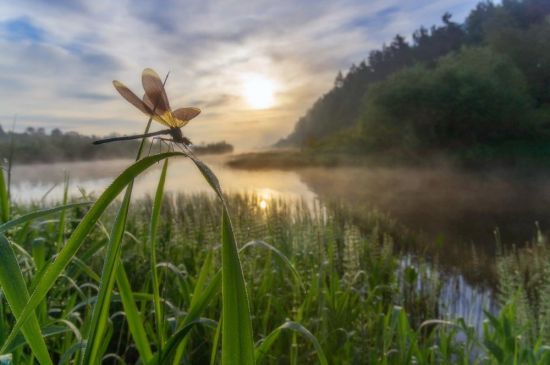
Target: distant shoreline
{"points": [[290, 159], [98, 159], [35, 146]]}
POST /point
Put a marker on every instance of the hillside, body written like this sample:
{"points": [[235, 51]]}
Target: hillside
{"points": [[477, 90]]}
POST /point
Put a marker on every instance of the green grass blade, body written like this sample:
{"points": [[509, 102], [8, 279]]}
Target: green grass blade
{"points": [[176, 338], [79, 234], [46, 332], [80, 266], [66, 357], [112, 265], [100, 314], [202, 299], [61, 231], [199, 302], [153, 244], [198, 294], [237, 338], [216, 343], [17, 295], [282, 257], [133, 317], [4, 198], [262, 349], [39, 214], [208, 175], [201, 280]]}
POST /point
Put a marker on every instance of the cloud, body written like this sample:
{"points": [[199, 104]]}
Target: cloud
{"points": [[59, 57], [91, 96]]}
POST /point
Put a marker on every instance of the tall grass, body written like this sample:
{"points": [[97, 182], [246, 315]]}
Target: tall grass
{"points": [[320, 291]]}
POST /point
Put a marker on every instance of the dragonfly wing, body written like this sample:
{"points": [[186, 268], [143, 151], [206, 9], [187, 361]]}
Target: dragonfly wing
{"points": [[162, 119], [154, 89], [182, 116], [131, 97], [148, 101]]}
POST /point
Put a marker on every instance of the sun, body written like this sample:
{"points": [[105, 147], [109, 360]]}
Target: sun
{"points": [[259, 91]]}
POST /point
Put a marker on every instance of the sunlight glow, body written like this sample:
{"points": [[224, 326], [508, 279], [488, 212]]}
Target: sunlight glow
{"points": [[265, 196], [259, 91]]}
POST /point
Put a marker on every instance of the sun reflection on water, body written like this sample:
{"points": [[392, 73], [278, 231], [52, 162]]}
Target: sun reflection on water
{"points": [[265, 195]]}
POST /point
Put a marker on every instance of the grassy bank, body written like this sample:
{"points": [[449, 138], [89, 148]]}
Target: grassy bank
{"points": [[310, 273], [517, 156], [282, 159]]}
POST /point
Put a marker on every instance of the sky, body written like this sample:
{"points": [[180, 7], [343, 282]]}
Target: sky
{"points": [[252, 67]]}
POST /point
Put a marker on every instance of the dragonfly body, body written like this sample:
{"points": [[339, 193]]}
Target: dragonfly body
{"points": [[178, 137], [175, 133], [155, 104]]}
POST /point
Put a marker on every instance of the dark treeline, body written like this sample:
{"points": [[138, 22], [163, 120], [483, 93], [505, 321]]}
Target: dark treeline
{"points": [[477, 90], [35, 145]]}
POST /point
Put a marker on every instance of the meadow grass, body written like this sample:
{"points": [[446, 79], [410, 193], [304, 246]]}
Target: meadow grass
{"points": [[162, 280]]}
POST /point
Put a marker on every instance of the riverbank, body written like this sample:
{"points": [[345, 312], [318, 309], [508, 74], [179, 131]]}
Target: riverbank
{"points": [[519, 158], [292, 159]]}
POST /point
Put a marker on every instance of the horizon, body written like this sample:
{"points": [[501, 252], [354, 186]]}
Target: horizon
{"points": [[254, 69]]}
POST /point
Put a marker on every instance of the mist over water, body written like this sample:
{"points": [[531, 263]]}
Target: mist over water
{"points": [[444, 204], [452, 214], [32, 182]]}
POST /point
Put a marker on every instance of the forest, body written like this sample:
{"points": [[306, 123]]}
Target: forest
{"points": [[472, 92], [34, 145]]}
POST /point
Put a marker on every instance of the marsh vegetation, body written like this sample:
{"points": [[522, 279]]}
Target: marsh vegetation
{"points": [[345, 272]]}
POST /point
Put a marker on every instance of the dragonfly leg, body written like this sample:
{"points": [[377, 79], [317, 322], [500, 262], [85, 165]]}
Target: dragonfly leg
{"points": [[155, 139], [150, 146], [169, 142]]}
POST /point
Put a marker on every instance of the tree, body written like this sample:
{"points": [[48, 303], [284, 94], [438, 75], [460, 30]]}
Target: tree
{"points": [[56, 132], [530, 52], [339, 80], [515, 29], [474, 97]]}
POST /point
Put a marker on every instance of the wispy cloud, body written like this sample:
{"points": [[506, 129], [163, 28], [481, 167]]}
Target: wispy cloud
{"points": [[58, 57]]}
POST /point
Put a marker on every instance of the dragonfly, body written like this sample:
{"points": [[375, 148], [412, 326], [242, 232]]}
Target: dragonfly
{"points": [[155, 104]]}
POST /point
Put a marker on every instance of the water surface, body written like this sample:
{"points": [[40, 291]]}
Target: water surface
{"points": [[45, 181]]}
